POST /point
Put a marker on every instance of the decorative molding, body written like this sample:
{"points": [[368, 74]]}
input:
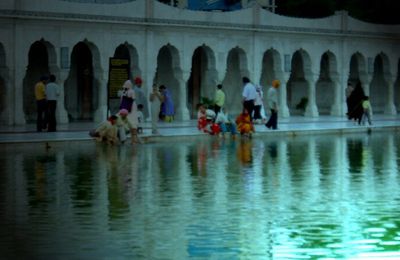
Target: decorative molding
{"points": [[190, 24]]}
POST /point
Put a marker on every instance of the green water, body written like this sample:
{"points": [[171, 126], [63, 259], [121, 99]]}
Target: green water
{"points": [[315, 197]]}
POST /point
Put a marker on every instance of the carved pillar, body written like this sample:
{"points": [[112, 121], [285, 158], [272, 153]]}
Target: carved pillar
{"points": [[390, 108], [18, 113], [181, 110], [283, 107], [366, 82], [62, 114], [339, 98], [101, 111], [311, 109]]}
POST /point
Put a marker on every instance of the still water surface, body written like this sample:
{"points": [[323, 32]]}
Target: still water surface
{"points": [[316, 197]]}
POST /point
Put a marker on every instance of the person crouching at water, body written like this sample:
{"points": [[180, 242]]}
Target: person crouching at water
{"points": [[107, 131]]}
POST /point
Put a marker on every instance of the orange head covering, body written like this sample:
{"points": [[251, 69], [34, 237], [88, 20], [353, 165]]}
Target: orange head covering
{"points": [[138, 81], [276, 83]]}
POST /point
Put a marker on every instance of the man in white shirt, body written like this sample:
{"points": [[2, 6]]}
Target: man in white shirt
{"points": [[272, 100], [249, 95], [52, 94]]}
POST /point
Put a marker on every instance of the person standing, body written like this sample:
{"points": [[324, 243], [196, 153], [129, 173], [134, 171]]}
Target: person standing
{"points": [[52, 94], [140, 96], [272, 99], [366, 105], [219, 99], [128, 103], [258, 105], [167, 105], [249, 95], [41, 104], [155, 99]]}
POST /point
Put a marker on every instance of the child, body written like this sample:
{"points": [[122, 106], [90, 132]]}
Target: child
{"points": [[107, 131], [140, 118], [366, 105]]}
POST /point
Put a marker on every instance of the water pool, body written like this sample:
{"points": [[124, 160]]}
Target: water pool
{"points": [[310, 197]]}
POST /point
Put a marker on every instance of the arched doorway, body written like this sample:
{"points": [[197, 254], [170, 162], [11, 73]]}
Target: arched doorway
{"points": [[81, 86], [236, 69], [325, 86], [357, 68], [270, 68], [127, 52], [378, 92], [167, 71], [297, 86], [202, 78], [38, 65]]}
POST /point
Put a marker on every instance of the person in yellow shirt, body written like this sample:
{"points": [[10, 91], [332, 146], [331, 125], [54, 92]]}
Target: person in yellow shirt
{"points": [[41, 103], [219, 100]]}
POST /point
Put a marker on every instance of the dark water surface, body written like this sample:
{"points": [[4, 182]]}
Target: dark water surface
{"points": [[315, 197]]}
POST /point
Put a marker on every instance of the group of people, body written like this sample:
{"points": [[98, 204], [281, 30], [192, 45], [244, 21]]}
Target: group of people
{"points": [[216, 121], [46, 95], [358, 105], [133, 111]]}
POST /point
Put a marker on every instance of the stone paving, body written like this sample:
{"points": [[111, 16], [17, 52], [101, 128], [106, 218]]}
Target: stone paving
{"points": [[294, 125]]}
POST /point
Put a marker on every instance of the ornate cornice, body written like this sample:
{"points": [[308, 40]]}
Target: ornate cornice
{"points": [[14, 14]]}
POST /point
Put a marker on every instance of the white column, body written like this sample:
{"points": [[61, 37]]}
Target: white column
{"points": [[339, 99], [6, 115], [312, 110], [101, 77], [390, 108], [18, 93], [61, 112], [283, 107], [181, 110]]}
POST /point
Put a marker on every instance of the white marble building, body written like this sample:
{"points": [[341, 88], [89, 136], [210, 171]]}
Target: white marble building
{"points": [[190, 52]]}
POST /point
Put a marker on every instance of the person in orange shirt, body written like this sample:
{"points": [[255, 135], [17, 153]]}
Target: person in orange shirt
{"points": [[41, 104], [244, 124]]}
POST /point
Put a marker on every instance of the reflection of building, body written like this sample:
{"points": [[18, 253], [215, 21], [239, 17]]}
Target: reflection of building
{"points": [[190, 52]]}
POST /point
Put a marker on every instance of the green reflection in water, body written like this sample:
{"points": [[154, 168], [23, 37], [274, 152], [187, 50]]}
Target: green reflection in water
{"points": [[315, 197]]}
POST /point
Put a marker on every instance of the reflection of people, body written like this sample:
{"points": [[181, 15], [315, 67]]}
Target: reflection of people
{"points": [[167, 106], [244, 153], [272, 99], [244, 124], [128, 103], [155, 99], [52, 94], [41, 103], [107, 131]]}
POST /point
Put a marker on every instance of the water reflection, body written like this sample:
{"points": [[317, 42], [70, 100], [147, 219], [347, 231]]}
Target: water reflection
{"points": [[278, 198]]}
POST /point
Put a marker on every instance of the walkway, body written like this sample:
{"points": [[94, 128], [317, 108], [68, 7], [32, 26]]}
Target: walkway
{"points": [[294, 125]]}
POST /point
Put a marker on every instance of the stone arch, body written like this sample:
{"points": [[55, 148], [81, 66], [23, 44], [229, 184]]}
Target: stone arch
{"points": [[357, 68], [325, 86], [81, 99], [379, 87], [129, 52], [202, 78], [271, 67], [4, 103], [168, 71], [41, 61], [297, 86], [236, 69]]}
